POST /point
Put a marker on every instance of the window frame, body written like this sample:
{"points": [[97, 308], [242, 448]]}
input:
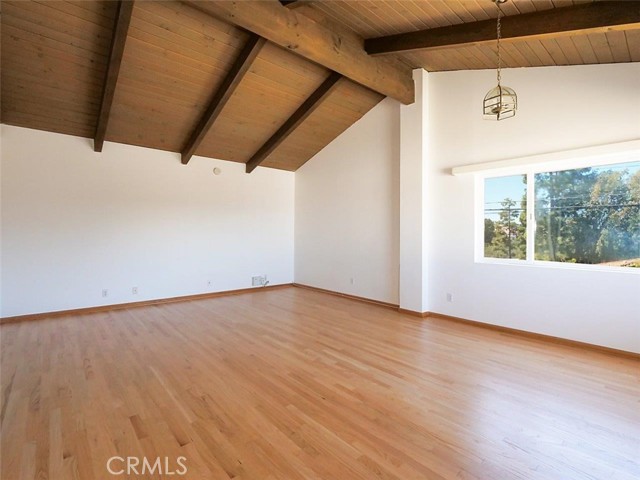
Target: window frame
{"points": [[530, 171]]}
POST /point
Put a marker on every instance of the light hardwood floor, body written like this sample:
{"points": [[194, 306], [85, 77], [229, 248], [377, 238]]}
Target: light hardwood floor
{"points": [[296, 384]]}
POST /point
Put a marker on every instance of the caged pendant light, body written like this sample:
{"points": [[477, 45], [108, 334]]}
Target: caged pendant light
{"points": [[501, 102]]}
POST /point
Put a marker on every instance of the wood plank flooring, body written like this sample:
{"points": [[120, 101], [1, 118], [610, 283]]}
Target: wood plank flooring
{"points": [[296, 384]]}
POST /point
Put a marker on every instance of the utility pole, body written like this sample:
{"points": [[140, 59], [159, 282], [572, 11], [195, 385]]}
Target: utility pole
{"points": [[509, 229]]}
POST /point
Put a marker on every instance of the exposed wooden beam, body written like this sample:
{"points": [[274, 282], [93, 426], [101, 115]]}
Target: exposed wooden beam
{"points": [[609, 15], [223, 94], [337, 49], [306, 109], [294, 3], [120, 29]]}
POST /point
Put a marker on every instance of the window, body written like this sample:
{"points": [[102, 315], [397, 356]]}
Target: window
{"points": [[505, 217], [582, 216]]}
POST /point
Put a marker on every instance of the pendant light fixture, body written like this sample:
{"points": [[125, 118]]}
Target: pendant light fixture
{"points": [[501, 102]]}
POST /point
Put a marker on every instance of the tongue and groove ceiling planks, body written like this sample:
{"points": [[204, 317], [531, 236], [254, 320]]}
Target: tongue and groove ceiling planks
{"points": [[54, 60], [177, 55]]}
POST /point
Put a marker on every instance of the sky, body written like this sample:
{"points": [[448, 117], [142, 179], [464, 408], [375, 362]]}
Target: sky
{"points": [[498, 188]]}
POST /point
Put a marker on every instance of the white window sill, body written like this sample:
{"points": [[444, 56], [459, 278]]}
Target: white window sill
{"points": [[558, 265]]}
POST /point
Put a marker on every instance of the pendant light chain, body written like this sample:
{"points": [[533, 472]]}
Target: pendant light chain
{"points": [[499, 36], [500, 102]]}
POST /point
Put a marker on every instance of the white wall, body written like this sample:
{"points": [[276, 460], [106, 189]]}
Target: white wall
{"points": [[347, 210], [559, 108], [414, 208], [75, 222], [347, 207]]}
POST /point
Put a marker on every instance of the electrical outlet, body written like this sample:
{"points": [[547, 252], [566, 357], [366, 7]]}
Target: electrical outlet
{"points": [[105, 293], [351, 281], [208, 283], [449, 297], [134, 290], [259, 281]]}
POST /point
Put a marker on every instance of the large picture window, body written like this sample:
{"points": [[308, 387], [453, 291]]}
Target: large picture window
{"points": [[581, 216]]}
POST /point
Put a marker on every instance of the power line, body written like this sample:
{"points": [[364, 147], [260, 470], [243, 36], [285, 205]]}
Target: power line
{"points": [[565, 207]]}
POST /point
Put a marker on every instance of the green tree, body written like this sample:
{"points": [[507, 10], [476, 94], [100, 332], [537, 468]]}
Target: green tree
{"points": [[614, 211], [509, 232], [587, 215], [489, 231], [562, 232]]}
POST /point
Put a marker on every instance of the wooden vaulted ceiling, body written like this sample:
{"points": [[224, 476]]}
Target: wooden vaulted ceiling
{"points": [[191, 81], [608, 44], [54, 60]]}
